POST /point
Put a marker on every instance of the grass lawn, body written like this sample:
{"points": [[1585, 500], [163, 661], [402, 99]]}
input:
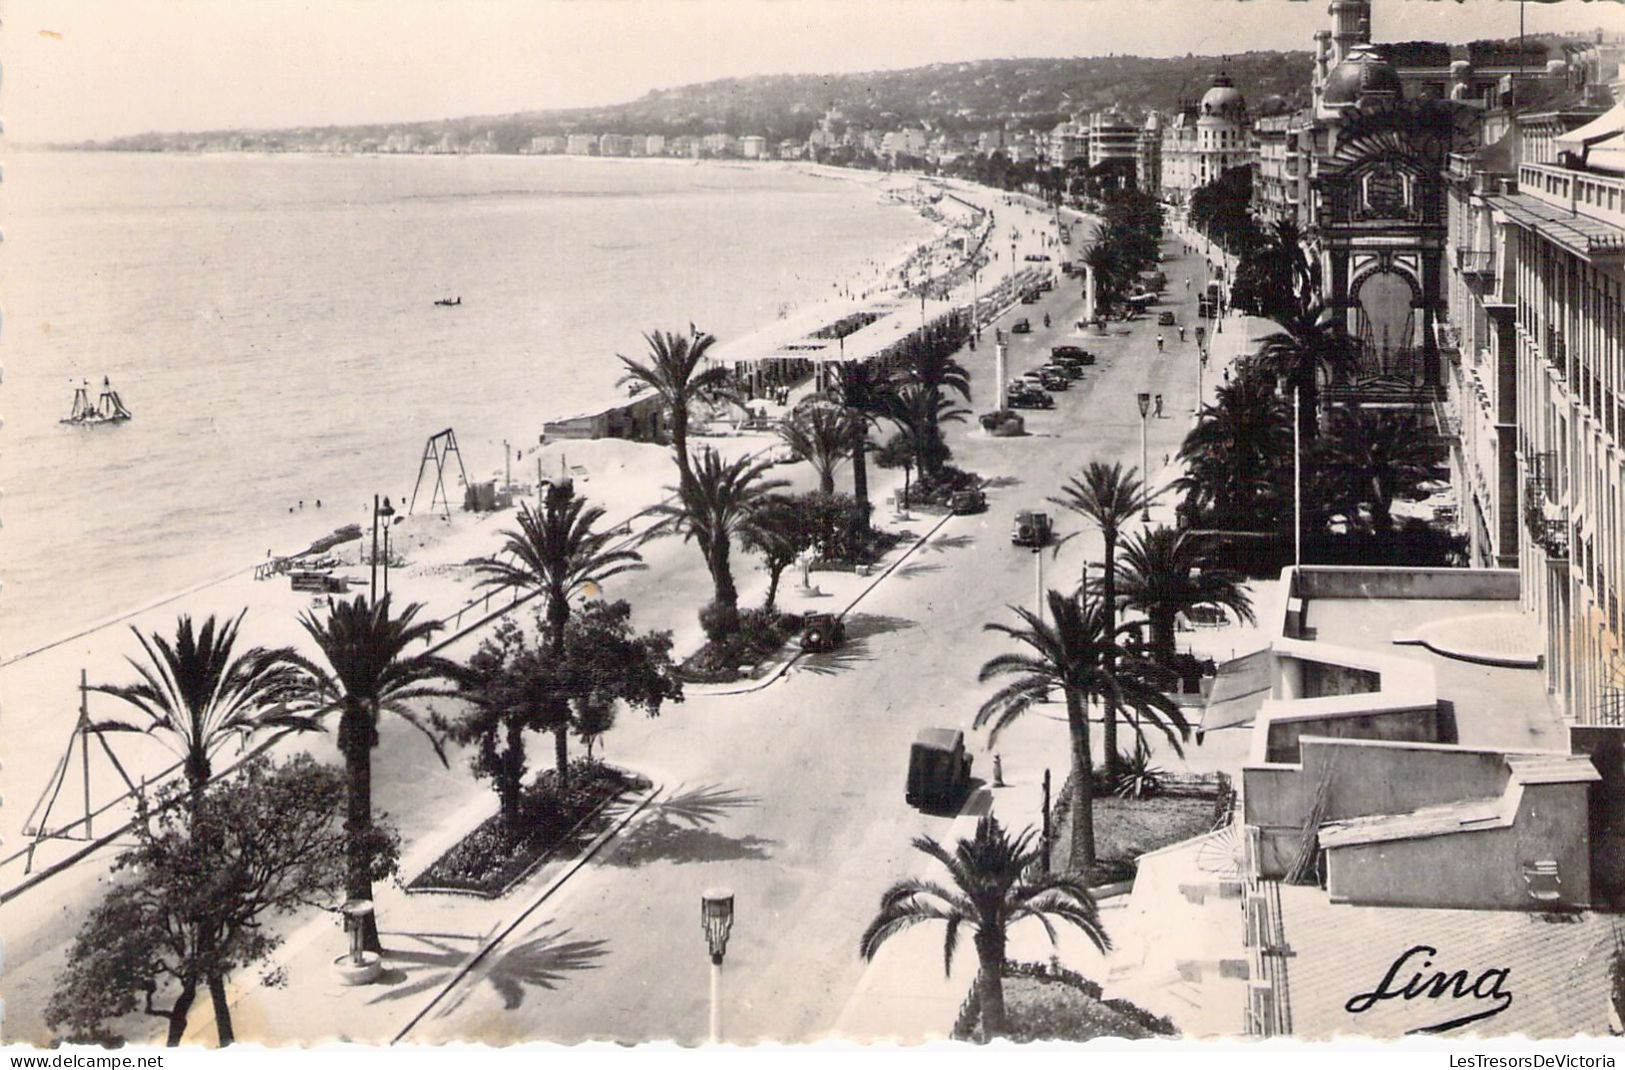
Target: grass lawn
{"points": [[1128, 828]]}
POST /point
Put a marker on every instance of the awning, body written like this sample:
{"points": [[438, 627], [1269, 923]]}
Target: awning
{"points": [[1239, 689], [1609, 122]]}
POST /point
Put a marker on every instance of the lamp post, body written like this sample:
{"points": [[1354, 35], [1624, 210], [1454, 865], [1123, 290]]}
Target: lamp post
{"points": [[1145, 409], [717, 919], [1297, 483], [388, 514], [372, 587], [1201, 362]]}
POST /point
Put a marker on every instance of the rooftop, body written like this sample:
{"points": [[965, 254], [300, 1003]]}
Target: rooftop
{"points": [[1552, 970]]}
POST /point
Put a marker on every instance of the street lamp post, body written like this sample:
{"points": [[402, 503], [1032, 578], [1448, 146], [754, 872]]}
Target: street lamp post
{"points": [[1145, 409], [717, 919], [372, 587], [388, 515], [1297, 483]]}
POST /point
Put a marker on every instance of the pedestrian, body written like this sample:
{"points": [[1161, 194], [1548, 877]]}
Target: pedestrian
{"points": [[1187, 286], [1159, 406], [1181, 333], [1159, 343]]}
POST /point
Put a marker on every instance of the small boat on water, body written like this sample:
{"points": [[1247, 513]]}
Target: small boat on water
{"points": [[447, 302], [108, 409]]}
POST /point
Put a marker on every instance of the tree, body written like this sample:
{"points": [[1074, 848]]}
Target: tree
{"points": [[920, 415], [988, 891], [711, 509], [196, 695], [607, 664], [1233, 457], [369, 673], [778, 529], [1108, 497], [1074, 653], [931, 370], [862, 391], [677, 370], [263, 843], [898, 452], [820, 434], [1371, 456], [1311, 341], [1168, 572], [558, 553]]}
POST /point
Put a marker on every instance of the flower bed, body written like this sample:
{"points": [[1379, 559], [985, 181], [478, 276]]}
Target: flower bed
{"points": [[1128, 828], [489, 861], [760, 636]]}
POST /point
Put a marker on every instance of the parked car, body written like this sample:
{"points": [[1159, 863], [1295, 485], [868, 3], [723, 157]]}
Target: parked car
{"points": [[1068, 268], [1083, 356], [1024, 396], [821, 632], [1165, 319], [1030, 297], [938, 770], [1046, 286], [1072, 369], [1053, 380], [965, 502], [1031, 529], [1021, 326]]}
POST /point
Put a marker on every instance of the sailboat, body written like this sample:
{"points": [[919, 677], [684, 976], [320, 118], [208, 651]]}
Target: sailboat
{"points": [[109, 408]]}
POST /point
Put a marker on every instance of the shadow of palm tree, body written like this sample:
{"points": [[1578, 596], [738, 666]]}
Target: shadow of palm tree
{"points": [[540, 962], [417, 962], [864, 625], [1001, 481], [662, 840], [916, 568], [853, 652], [703, 805], [948, 542]]}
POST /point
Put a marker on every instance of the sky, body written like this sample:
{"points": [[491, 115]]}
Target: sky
{"points": [[78, 69]]}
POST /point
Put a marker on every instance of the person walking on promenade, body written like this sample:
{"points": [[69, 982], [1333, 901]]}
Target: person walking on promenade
{"points": [[1159, 407], [1159, 343], [1182, 333]]}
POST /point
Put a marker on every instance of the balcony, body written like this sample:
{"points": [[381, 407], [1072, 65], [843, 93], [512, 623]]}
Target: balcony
{"points": [[1548, 527], [1478, 263]]}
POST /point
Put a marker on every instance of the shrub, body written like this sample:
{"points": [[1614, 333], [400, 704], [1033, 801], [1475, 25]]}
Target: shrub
{"points": [[719, 621], [1136, 777]]}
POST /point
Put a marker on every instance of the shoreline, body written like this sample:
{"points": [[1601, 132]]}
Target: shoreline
{"points": [[882, 185]]}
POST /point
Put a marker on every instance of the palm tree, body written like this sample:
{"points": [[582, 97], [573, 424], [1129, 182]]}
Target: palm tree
{"points": [[989, 891], [932, 369], [711, 510], [1167, 572], [676, 369], [1373, 456], [1074, 654], [196, 695], [1103, 265], [1108, 496], [862, 391], [557, 553], [920, 414], [1233, 456], [820, 434], [368, 673], [1310, 342]]}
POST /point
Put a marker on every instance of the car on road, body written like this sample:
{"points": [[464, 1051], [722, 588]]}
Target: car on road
{"points": [[1053, 380], [1068, 268], [821, 632], [1021, 326], [965, 502], [1031, 529], [1165, 319], [938, 770], [1046, 286], [1030, 297], [1072, 369], [1021, 395], [1078, 353], [1037, 258]]}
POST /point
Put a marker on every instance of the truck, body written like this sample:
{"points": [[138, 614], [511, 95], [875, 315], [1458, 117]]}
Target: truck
{"points": [[938, 770]]}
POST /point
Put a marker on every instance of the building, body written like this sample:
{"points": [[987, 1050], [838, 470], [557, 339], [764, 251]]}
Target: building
{"points": [[753, 147], [1068, 141], [1148, 158], [1203, 141], [1112, 137], [546, 144], [581, 145], [614, 145], [1178, 156], [719, 145], [1279, 172]]}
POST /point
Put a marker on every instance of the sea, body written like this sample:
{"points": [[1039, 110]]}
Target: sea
{"points": [[270, 322]]}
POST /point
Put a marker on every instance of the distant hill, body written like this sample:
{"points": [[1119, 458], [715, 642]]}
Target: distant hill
{"points": [[1011, 93]]}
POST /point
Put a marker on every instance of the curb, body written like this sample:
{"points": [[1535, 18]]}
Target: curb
{"points": [[541, 897], [778, 672]]}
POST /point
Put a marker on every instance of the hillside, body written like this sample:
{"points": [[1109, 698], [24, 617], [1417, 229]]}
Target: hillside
{"points": [[1013, 93]]}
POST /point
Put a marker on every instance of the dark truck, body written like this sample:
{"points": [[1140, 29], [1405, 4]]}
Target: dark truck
{"points": [[938, 770]]}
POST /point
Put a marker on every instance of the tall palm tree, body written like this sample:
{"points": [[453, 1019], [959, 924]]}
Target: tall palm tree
{"points": [[1374, 455], [988, 891], [196, 694], [558, 553], [677, 370], [862, 390], [368, 672], [711, 510], [932, 368], [1233, 457], [920, 414], [1074, 653], [1167, 572], [819, 433], [1108, 496], [1103, 265], [1310, 343]]}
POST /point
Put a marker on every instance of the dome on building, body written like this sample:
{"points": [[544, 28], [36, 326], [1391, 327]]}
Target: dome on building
{"points": [[1223, 100], [1365, 72]]}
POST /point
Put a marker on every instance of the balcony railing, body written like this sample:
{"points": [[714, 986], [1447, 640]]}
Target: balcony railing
{"points": [[1479, 262]]}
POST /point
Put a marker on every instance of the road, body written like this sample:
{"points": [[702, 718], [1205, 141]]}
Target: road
{"points": [[792, 795]]}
